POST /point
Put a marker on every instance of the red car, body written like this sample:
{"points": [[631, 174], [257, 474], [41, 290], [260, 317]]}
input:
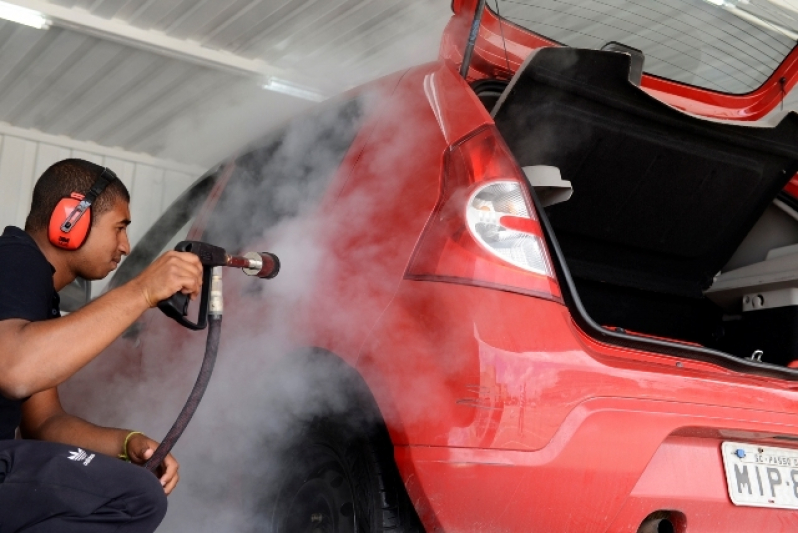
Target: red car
{"points": [[560, 294]]}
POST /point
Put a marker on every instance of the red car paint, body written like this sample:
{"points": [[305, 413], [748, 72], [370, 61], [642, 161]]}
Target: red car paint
{"points": [[526, 423], [504, 415]]}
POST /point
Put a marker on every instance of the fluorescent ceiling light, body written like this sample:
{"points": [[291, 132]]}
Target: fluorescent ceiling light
{"points": [[23, 15], [789, 5], [732, 6], [766, 24], [292, 89]]}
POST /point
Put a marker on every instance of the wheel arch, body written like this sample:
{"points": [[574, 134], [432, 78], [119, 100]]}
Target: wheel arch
{"points": [[398, 512]]}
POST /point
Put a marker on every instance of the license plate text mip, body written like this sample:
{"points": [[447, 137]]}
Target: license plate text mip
{"points": [[761, 476]]}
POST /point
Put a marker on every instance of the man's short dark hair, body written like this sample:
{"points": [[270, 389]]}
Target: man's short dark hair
{"points": [[64, 178]]}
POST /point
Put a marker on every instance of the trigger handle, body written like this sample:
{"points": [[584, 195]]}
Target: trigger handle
{"points": [[176, 306]]}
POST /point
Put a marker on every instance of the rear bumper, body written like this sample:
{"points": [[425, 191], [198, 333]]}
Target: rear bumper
{"points": [[612, 463], [505, 417]]}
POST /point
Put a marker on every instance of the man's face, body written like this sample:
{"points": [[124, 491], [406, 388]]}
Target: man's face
{"points": [[106, 244]]}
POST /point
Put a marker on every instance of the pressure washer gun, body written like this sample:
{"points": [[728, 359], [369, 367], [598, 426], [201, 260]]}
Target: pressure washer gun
{"points": [[264, 265]]}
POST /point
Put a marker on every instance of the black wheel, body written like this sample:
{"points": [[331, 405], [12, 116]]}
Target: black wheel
{"points": [[328, 464], [341, 479], [318, 496], [331, 467]]}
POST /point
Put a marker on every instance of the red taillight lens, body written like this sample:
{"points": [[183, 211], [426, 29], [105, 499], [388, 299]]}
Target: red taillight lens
{"points": [[484, 230]]}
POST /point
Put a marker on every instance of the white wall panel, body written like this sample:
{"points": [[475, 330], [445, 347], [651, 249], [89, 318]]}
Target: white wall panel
{"points": [[17, 161], [47, 154], [25, 154], [145, 199], [88, 156], [124, 169]]}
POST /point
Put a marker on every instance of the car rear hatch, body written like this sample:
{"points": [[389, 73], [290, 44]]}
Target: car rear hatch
{"points": [[662, 198], [730, 59]]}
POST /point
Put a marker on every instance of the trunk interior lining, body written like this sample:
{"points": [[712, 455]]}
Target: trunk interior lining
{"points": [[662, 199]]}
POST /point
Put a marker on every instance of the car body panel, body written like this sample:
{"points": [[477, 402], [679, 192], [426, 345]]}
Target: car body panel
{"points": [[518, 375], [590, 479]]}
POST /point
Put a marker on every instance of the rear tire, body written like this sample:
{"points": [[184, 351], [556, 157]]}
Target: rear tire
{"points": [[341, 480], [335, 471]]}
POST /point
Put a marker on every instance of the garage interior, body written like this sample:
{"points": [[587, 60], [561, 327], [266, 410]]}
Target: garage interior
{"points": [[162, 90]]}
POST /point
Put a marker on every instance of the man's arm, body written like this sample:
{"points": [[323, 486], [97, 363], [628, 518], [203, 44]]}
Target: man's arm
{"points": [[43, 418], [36, 356]]}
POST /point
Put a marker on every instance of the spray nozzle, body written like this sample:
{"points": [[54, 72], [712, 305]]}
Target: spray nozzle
{"points": [[264, 265], [261, 264]]}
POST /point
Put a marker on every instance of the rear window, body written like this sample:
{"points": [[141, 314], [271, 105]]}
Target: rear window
{"points": [[730, 46]]}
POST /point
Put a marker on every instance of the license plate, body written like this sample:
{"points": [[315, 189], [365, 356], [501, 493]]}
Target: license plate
{"points": [[761, 476]]}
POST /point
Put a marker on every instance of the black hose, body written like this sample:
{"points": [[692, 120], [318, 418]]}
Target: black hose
{"points": [[211, 348]]}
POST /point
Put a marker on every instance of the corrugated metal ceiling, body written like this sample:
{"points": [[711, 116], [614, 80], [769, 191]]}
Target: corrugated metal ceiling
{"points": [[67, 82], [82, 82]]}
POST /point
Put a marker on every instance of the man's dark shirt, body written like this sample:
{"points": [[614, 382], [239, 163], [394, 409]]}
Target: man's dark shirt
{"points": [[26, 292]]}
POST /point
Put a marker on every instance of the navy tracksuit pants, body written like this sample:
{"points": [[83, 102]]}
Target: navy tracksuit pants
{"points": [[54, 488]]}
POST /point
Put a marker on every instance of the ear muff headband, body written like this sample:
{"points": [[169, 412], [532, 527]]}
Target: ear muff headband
{"points": [[68, 228]]}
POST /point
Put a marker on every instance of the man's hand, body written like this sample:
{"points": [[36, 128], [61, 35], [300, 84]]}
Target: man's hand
{"points": [[172, 272], [140, 448]]}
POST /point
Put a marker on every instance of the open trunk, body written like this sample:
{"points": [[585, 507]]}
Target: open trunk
{"points": [[672, 217]]}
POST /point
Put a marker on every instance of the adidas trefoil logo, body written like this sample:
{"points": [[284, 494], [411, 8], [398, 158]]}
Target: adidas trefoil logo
{"points": [[81, 455]]}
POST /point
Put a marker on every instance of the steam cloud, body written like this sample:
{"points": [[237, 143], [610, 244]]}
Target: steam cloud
{"points": [[329, 60], [227, 454]]}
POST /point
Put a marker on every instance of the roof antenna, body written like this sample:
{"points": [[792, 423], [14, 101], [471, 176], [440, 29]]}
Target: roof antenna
{"points": [[472, 39], [504, 41]]}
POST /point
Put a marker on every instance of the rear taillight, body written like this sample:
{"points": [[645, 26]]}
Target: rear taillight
{"points": [[484, 230]]}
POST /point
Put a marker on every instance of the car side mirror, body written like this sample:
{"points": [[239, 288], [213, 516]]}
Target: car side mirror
{"points": [[75, 295]]}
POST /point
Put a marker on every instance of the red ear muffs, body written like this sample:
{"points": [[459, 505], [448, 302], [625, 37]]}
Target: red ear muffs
{"points": [[71, 219], [78, 232]]}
